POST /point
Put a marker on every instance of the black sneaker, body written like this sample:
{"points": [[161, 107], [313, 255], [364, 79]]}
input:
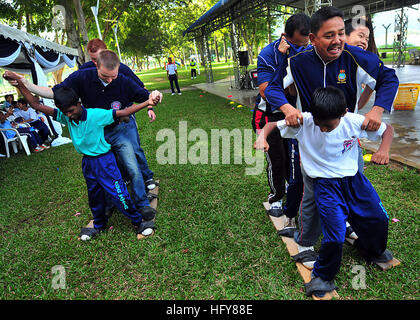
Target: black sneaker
{"points": [[319, 287], [151, 184], [148, 213], [145, 228], [87, 234]]}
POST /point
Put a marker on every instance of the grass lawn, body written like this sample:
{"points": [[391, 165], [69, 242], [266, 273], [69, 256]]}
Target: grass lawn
{"points": [[214, 240], [156, 79]]}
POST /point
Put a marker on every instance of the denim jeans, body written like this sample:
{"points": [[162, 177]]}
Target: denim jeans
{"points": [[125, 143]]}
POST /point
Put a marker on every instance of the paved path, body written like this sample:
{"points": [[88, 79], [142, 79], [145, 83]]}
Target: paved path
{"points": [[406, 144]]}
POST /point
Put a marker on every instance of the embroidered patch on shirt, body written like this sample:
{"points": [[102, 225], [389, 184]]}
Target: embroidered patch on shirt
{"points": [[116, 105], [348, 144], [342, 77]]}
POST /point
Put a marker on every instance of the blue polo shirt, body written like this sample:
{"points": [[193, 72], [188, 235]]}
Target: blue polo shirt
{"points": [[119, 94], [88, 135], [124, 69], [353, 68], [270, 60]]}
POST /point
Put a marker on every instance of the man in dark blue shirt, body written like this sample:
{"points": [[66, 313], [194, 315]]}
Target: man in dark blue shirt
{"points": [[105, 88], [283, 161]]}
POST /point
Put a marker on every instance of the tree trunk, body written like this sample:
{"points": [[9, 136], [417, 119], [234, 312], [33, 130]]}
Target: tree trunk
{"points": [[73, 37], [225, 48], [269, 22], [82, 26], [216, 49]]}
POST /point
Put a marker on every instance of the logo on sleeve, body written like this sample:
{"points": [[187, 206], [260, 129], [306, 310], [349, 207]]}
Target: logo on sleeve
{"points": [[342, 77], [116, 105], [348, 144]]}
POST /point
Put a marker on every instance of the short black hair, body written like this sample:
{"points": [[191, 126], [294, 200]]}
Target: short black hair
{"points": [[22, 101], [322, 15], [298, 22], [328, 103], [348, 25], [65, 97], [9, 95]]}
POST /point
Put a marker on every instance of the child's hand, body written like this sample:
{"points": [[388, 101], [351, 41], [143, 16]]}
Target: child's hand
{"points": [[156, 96], [283, 46], [380, 157], [261, 144], [151, 115], [13, 77]]}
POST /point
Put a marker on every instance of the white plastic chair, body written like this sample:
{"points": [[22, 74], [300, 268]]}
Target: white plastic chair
{"points": [[22, 139]]}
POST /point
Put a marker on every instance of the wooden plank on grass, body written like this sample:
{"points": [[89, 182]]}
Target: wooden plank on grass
{"points": [[292, 248], [153, 204]]}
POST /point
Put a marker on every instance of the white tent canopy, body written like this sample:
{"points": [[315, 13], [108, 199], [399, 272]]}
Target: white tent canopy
{"points": [[26, 53], [19, 49]]}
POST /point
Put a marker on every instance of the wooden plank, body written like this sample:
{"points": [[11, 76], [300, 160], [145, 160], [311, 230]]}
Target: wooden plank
{"points": [[384, 266], [292, 248], [153, 204]]}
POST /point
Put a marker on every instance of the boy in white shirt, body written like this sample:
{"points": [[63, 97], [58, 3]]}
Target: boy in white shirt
{"points": [[329, 154]]}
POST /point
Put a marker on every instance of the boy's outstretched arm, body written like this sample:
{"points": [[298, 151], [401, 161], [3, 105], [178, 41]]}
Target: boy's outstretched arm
{"points": [[382, 155], [136, 107], [11, 76], [45, 92], [261, 143]]}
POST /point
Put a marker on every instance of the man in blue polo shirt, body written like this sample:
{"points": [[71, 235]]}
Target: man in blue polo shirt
{"points": [[86, 127], [329, 62], [283, 161], [105, 88]]}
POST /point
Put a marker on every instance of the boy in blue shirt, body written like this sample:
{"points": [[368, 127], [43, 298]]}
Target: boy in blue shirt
{"points": [[86, 127]]}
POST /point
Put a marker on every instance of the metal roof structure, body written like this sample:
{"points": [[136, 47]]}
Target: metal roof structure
{"points": [[224, 12], [230, 13]]}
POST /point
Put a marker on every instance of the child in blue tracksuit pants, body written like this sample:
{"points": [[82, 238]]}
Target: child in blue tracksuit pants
{"points": [[328, 140], [86, 127]]}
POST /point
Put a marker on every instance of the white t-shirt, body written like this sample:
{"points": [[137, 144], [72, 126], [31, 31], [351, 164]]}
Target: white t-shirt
{"points": [[171, 68], [330, 154], [26, 115]]}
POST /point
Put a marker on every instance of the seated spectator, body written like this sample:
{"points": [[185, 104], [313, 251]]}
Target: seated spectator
{"points": [[30, 116], [34, 140], [6, 104]]}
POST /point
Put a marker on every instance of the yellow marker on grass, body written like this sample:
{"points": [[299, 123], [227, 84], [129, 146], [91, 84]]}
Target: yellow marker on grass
{"points": [[367, 157]]}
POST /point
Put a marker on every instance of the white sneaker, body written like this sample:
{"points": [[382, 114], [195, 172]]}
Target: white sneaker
{"points": [[308, 264], [349, 232], [290, 223], [2, 155], [147, 232], [38, 149], [173, 94], [276, 205], [179, 93]]}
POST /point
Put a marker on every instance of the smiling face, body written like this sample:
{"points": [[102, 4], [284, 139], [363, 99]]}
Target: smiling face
{"points": [[330, 39], [359, 37], [74, 112]]}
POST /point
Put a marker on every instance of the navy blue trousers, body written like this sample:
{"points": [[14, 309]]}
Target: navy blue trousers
{"points": [[43, 130], [294, 190], [103, 178], [353, 199]]}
